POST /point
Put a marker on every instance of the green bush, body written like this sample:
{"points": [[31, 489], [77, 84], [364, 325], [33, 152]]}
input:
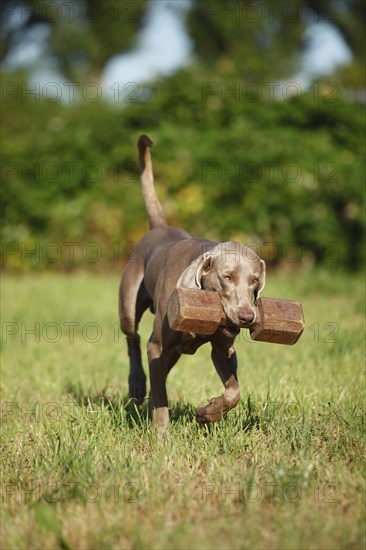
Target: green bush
{"points": [[227, 166]]}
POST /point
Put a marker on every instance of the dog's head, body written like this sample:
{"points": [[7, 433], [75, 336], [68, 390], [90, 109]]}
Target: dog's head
{"points": [[237, 274]]}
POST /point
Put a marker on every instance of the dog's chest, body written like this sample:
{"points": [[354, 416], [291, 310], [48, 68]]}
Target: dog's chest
{"points": [[190, 342]]}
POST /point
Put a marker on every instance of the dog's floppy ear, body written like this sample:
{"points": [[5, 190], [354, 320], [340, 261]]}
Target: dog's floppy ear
{"points": [[191, 276], [262, 278]]}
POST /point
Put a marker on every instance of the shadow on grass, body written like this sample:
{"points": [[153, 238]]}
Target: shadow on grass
{"points": [[137, 415]]}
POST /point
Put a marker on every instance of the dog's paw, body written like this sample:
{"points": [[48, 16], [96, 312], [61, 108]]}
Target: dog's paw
{"points": [[137, 389], [214, 411]]}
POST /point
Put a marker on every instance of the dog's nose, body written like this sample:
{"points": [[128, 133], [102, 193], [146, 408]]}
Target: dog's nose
{"points": [[245, 317]]}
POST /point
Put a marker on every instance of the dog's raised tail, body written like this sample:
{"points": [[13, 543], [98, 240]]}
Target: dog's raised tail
{"points": [[154, 209]]}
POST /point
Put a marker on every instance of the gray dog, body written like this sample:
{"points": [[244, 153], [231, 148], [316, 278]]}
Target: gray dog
{"points": [[166, 258]]}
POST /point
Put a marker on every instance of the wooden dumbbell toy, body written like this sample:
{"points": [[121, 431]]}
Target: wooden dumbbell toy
{"points": [[200, 311]]}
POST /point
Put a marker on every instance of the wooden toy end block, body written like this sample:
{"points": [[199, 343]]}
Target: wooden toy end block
{"points": [[277, 321], [197, 311]]}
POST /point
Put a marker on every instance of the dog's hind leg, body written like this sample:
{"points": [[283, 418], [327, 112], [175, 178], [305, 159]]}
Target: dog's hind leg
{"points": [[133, 302], [160, 363]]}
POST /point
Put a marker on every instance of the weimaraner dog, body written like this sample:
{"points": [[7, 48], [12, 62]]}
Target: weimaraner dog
{"points": [[166, 258]]}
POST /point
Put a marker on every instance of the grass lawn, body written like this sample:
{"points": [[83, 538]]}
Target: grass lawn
{"points": [[82, 468]]}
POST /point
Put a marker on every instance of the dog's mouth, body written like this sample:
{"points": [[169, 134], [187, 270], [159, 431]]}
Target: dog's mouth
{"points": [[230, 329]]}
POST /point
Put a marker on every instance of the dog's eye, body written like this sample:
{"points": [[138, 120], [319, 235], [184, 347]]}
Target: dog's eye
{"points": [[227, 277]]}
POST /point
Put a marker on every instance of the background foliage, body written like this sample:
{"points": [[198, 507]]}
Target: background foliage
{"points": [[240, 154]]}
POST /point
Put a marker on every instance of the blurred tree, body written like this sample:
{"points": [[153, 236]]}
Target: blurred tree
{"points": [[262, 39], [349, 18], [246, 38], [82, 34]]}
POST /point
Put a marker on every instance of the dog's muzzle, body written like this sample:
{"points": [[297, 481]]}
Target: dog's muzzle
{"points": [[246, 317]]}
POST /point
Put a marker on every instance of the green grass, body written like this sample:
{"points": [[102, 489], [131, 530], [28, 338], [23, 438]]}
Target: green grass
{"points": [[82, 468]]}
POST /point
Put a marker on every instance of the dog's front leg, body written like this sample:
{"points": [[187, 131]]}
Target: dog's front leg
{"points": [[226, 366]]}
